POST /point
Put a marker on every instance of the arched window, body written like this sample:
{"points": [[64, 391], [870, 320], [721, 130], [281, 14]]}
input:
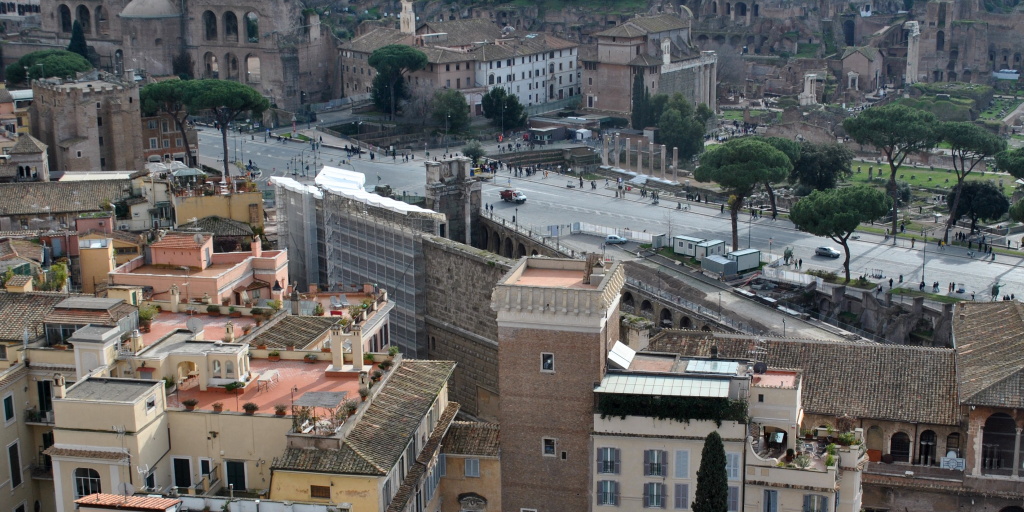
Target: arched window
{"points": [[87, 482], [940, 41], [230, 27], [899, 447], [65, 19], [997, 443], [85, 18], [953, 445], [252, 69], [216, 368], [229, 368], [252, 27], [209, 26], [231, 66]]}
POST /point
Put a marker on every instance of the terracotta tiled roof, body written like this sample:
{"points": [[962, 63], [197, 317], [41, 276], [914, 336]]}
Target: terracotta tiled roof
{"points": [[394, 415], [30, 198], [864, 380], [219, 226], [55, 451], [461, 32], [295, 331], [416, 472], [20, 311], [76, 316], [127, 502], [5, 96], [869, 52], [643, 25], [472, 438], [7, 250], [19, 280], [989, 340], [532, 44], [178, 240], [28, 249], [128, 237], [12, 375], [377, 38], [27, 145]]}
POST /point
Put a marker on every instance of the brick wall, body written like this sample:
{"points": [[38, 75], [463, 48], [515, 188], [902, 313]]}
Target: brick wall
{"points": [[461, 326]]}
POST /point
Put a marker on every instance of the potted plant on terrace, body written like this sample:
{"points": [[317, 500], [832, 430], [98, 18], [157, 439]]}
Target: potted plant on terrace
{"points": [[351, 406], [280, 409], [146, 315], [218, 406], [364, 392], [213, 310], [273, 355], [233, 313], [367, 358], [318, 309], [190, 404], [233, 387], [393, 351], [386, 365], [376, 375], [250, 408], [310, 358]]}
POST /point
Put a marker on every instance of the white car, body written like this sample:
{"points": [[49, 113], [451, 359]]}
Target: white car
{"points": [[827, 251], [614, 239]]}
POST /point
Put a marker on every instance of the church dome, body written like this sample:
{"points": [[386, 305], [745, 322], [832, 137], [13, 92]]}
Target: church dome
{"points": [[150, 9]]}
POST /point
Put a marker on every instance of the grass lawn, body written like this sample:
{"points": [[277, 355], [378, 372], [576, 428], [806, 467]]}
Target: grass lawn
{"points": [[945, 299], [943, 179], [732, 115], [999, 105]]}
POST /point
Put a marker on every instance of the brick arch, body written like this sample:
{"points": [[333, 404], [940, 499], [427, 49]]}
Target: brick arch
{"points": [[84, 16], [665, 318], [209, 20], [901, 446], [230, 21], [64, 14]]}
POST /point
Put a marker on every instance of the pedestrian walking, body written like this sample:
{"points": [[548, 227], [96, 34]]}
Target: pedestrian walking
{"points": [[890, 283], [800, 263]]}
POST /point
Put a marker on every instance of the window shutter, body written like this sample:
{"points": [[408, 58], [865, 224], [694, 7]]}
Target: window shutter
{"points": [[647, 495], [682, 464], [663, 463], [824, 504], [615, 453], [599, 493], [807, 503], [615, 489], [662, 494], [647, 463]]}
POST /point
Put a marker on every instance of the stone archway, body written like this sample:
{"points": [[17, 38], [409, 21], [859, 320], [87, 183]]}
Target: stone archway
{"points": [[252, 69], [520, 250], [926, 448], [507, 251], [84, 17], [666, 317], [706, 328], [899, 447], [211, 68], [102, 23], [230, 27], [997, 444], [209, 26], [64, 12], [252, 27], [685, 323], [647, 309], [627, 300], [230, 66]]}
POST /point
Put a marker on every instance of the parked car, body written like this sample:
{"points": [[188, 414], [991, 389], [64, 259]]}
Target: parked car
{"points": [[614, 239], [830, 252]]}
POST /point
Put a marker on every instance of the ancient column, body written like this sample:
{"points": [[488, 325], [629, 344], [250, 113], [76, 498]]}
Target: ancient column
{"points": [[664, 169], [978, 450], [1016, 454], [604, 150], [675, 163], [650, 158]]}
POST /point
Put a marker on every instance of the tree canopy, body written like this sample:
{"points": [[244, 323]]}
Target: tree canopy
{"points": [[448, 108], [1011, 161], [225, 100], [836, 213], [46, 63], [792, 151], [78, 44], [1017, 211], [738, 166], [392, 62], [821, 165], [978, 200], [496, 101], [897, 131], [970, 144], [170, 97], [474, 150], [712, 493], [679, 124]]}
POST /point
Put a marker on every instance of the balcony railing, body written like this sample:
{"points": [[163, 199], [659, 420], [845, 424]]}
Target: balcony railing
{"points": [[34, 416]]}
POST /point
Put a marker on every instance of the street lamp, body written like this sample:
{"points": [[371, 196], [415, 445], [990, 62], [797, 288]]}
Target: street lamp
{"points": [[750, 223], [515, 218], [187, 269], [769, 250], [719, 305], [783, 327]]}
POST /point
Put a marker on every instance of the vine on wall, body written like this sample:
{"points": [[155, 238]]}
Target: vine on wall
{"points": [[679, 408]]}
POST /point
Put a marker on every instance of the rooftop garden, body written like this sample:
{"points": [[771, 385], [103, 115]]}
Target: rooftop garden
{"points": [[679, 408]]}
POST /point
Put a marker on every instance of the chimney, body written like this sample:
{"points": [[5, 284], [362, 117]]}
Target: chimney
{"points": [[337, 347], [357, 347], [135, 342], [59, 391], [714, 351], [229, 332], [295, 302], [257, 247]]}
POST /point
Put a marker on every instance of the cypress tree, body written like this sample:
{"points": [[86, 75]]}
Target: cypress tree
{"points": [[78, 44], [712, 493], [640, 102]]}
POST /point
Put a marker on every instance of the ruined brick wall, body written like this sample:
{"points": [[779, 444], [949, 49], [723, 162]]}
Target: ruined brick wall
{"points": [[461, 326]]}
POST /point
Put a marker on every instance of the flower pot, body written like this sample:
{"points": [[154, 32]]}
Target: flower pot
{"points": [[280, 413], [236, 314], [218, 408], [250, 413], [190, 407], [273, 359], [261, 347], [325, 349]]}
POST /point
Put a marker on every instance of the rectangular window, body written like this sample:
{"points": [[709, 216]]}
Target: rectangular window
{"points": [[732, 465], [320, 491], [547, 362], [151, 125], [153, 143], [549, 447], [167, 143], [3, 352], [8, 409], [14, 463], [473, 468], [442, 464], [608, 460], [733, 501], [771, 501], [654, 462], [165, 126], [682, 496], [150, 404], [608, 493], [815, 503], [682, 464], [101, 141], [654, 495], [99, 121]]}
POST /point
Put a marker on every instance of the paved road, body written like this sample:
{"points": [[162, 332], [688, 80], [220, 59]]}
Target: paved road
{"points": [[550, 202]]}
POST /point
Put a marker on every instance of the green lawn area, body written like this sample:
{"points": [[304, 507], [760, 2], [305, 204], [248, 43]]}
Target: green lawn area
{"points": [[808, 50], [999, 105], [945, 299], [918, 177], [731, 115]]}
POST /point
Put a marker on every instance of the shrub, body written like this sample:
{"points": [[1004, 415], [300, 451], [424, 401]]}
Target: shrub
{"points": [[250, 407], [191, 402]]}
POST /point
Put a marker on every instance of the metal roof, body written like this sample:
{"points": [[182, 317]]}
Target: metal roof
{"points": [[624, 384]]}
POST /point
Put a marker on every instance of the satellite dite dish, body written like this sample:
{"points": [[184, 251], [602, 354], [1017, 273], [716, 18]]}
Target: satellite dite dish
{"points": [[195, 325], [760, 368], [125, 489]]}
